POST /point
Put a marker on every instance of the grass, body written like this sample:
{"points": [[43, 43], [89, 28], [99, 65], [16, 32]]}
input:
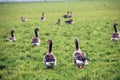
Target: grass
{"points": [[93, 27]]}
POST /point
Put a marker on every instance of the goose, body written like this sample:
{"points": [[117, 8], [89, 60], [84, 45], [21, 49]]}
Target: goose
{"points": [[49, 58], [68, 15], [116, 35], [59, 22], [24, 19], [79, 57], [12, 38], [70, 21], [36, 41], [43, 17]]}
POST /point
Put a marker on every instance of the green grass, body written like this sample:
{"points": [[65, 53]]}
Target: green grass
{"points": [[93, 27]]}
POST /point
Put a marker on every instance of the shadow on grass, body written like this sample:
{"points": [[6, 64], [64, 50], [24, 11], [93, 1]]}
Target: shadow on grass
{"points": [[1, 76], [117, 78], [2, 67]]}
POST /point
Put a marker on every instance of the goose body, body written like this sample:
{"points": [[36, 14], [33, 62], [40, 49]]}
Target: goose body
{"points": [[36, 41], [24, 19], [79, 57], [43, 17], [49, 58], [116, 35], [12, 38], [69, 21]]}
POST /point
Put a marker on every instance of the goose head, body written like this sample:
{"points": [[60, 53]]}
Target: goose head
{"points": [[58, 20], [21, 17], [12, 31], [36, 29], [68, 12]]}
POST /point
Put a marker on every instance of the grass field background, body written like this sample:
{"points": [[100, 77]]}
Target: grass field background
{"points": [[93, 20]]}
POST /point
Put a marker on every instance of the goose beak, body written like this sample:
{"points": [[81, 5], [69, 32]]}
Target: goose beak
{"points": [[80, 67], [47, 41]]}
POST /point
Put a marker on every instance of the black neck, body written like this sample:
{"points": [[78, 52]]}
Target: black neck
{"points": [[50, 46], [115, 28], [68, 12], [42, 14], [12, 35], [76, 44], [36, 33], [58, 20]]}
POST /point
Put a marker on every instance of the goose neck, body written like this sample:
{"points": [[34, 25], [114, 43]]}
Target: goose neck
{"points": [[115, 28], [36, 33], [76, 44], [50, 47], [12, 35]]}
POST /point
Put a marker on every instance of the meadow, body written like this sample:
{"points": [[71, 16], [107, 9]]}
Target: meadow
{"points": [[93, 26]]}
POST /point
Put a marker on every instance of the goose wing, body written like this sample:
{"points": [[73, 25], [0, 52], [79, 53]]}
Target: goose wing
{"points": [[116, 35], [79, 56], [35, 40], [50, 58]]}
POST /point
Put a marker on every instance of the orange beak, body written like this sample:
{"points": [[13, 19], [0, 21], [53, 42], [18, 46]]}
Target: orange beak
{"points": [[47, 41], [80, 67]]}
